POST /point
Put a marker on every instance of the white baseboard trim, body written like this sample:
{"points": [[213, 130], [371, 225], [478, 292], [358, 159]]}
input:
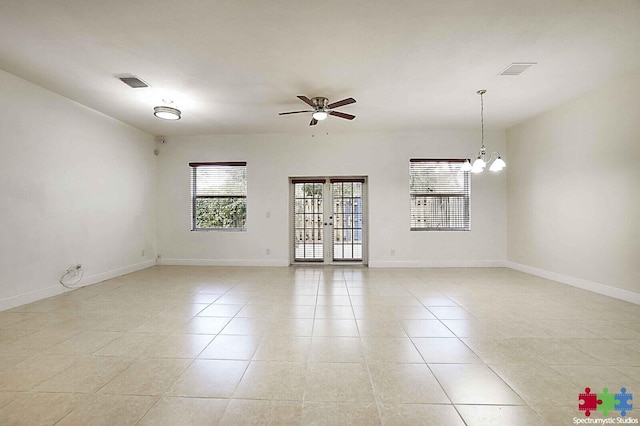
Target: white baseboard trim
{"points": [[34, 296], [437, 264], [221, 262], [606, 290], [103, 276]]}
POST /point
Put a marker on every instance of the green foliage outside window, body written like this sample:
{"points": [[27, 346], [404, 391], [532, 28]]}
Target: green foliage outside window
{"points": [[221, 213]]}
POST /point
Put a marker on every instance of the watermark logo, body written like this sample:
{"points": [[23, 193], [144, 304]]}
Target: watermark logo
{"points": [[605, 402]]}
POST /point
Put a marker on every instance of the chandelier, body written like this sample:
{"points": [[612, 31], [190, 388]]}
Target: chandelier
{"points": [[481, 162]]}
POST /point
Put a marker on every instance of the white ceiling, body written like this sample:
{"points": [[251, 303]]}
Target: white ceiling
{"points": [[232, 65]]}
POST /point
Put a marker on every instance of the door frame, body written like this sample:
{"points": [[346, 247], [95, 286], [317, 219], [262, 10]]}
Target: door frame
{"points": [[365, 221]]}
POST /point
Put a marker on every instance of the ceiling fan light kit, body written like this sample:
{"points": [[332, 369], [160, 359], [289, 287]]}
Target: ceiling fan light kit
{"points": [[320, 115], [480, 163], [322, 109]]}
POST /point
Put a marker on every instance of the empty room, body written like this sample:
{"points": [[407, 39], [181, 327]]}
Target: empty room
{"points": [[319, 213]]}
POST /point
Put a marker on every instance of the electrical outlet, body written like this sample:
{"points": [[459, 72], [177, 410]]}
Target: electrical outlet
{"points": [[142, 253], [268, 252], [74, 270], [393, 252]]}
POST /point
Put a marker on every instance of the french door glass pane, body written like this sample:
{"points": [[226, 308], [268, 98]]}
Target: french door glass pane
{"points": [[347, 225], [308, 221]]}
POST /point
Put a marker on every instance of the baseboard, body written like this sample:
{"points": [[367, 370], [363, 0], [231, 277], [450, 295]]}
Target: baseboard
{"points": [[606, 290], [222, 262], [103, 276], [437, 264], [371, 264], [34, 296]]}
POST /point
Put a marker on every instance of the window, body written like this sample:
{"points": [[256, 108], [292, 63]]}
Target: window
{"points": [[218, 196], [440, 195]]}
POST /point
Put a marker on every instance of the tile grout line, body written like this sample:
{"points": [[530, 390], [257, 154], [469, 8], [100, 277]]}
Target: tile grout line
{"points": [[366, 362]]}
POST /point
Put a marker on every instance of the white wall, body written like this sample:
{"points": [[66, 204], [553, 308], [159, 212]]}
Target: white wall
{"points": [[573, 191], [382, 157], [76, 187]]}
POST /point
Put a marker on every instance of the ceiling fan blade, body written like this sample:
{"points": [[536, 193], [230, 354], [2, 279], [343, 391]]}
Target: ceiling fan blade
{"points": [[293, 112], [342, 115], [306, 100], [313, 122], [341, 103]]}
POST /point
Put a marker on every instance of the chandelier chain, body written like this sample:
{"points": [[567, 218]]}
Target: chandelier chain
{"points": [[482, 118]]}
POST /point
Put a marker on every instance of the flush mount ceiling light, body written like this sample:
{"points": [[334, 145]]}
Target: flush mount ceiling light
{"points": [[167, 113], [481, 162]]}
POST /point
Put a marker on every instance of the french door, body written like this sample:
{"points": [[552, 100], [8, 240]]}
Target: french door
{"points": [[328, 222]]}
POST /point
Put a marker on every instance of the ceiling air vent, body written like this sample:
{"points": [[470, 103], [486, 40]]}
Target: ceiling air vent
{"points": [[132, 81], [517, 68]]}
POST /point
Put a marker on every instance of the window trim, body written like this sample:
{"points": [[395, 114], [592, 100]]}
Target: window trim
{"points": [[465, 196], [193, 186]]}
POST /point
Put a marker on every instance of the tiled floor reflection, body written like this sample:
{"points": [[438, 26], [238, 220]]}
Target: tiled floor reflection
{"points": [[308, 345]]}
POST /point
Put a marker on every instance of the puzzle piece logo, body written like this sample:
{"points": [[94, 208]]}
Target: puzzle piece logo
{"points": [[623, 402], [605, 402], [589, 402]]}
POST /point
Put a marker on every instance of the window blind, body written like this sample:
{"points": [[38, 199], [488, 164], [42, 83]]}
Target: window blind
{"points": [[440, 195], [218, 195]]}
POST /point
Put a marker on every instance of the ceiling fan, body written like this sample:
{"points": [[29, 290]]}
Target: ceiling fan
{"points": [[322, 108]]}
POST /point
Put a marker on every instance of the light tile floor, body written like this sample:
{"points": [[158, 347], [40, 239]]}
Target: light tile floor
{"points": [[310, 345]]}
